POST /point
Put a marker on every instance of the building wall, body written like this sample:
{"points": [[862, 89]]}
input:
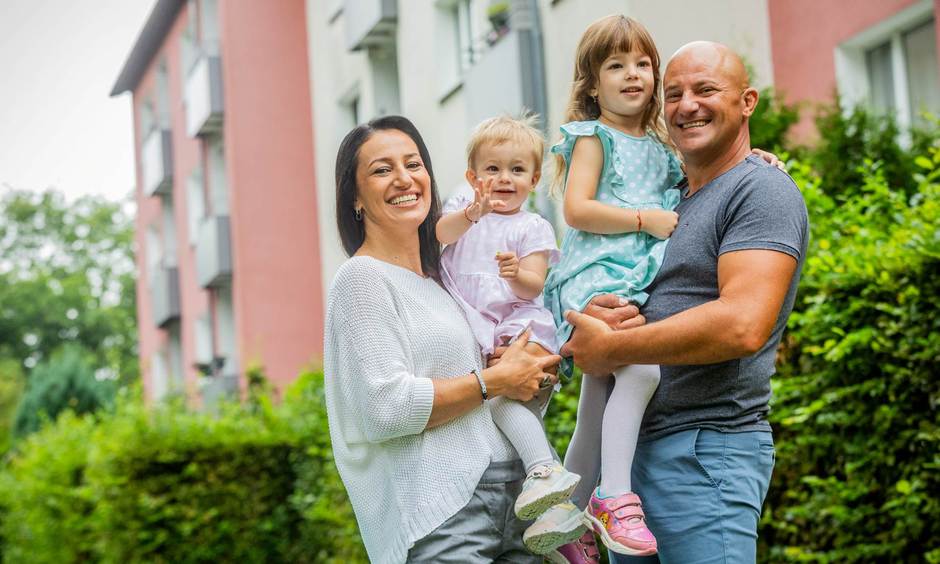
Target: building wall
{"points": [[271, 196], [186, 157], [805, 35], [445, 109], [269, 159]]}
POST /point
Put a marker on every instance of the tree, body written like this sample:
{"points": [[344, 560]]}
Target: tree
{"points": [[65, 381], [67, 276]]}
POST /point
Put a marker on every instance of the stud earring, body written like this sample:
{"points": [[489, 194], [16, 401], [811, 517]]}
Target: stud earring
{"points": [[358, 214]]}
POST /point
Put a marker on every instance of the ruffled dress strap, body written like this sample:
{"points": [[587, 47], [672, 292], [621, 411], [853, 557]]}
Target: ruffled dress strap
{"points": [[572, 130]]}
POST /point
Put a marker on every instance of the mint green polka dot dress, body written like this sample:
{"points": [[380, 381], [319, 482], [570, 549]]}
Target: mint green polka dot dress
{"points": [[638, 172]]}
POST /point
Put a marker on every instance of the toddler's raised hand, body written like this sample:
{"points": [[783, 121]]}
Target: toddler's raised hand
{"points": [[659, 223], [508, 265], [483, 202]]}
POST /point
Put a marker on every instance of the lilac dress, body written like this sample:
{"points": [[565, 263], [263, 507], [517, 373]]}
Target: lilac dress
{"points": [[470, 273]]}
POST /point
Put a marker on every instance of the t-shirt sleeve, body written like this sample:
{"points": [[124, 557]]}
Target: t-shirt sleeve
{"points": [[766, 211], [375, 371], [458, 201], [539, 236]]}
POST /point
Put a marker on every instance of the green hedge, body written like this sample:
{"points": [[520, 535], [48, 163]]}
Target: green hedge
{"points": [[168, 485], [855, 409]]}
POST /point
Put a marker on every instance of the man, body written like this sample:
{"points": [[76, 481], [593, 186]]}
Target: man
{"points": [[715, 315]]}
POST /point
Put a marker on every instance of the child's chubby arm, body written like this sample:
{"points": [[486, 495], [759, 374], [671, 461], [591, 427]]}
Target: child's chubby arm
{"points": [[584, 213], [452, 226], [526, 276]]}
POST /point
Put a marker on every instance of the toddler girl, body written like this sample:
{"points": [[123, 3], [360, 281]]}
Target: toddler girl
{"points": [[494, 265]]}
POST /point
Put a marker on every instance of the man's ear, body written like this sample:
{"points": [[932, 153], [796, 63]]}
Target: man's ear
{"points": [[750, 97]]}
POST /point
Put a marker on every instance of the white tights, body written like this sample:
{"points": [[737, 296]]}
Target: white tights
{"points": [[605, 435]]}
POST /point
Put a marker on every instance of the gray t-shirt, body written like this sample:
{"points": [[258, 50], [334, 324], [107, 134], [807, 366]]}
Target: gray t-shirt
{"points": [[751, 206]]}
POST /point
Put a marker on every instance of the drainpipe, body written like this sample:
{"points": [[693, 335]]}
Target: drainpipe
{"points": [[524, 20]]}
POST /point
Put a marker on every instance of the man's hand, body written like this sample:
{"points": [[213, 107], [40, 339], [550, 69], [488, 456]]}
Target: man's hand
{"points": [[508, 265], [616, 312], [588, 344]]}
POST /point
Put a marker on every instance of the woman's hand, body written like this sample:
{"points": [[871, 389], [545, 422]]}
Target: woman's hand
{"points": [[519, 373], [659, 223]]}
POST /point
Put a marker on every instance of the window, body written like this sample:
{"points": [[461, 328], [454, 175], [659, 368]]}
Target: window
{"points": [[195, 204], [455, 45], [892, 67], [218, 186]]}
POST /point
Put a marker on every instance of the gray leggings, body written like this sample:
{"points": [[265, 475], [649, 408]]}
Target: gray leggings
{"points": [[486, 529]]}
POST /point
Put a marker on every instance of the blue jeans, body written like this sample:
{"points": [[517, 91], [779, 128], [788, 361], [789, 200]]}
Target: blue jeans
{"points": [[702, 492]]}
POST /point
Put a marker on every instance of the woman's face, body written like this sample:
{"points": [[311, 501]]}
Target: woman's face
{"points": [[394, 188]]}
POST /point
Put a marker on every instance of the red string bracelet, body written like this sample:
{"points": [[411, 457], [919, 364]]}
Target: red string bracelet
{"points": [[639, 221]]}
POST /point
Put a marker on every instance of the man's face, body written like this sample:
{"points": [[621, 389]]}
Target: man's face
{"points": [[705, 104]]}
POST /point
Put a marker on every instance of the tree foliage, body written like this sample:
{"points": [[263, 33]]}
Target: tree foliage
{"points": [[65, 381], [67, 276]]}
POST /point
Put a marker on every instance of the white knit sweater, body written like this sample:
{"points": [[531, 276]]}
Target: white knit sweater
{"points": [[389, 332]]}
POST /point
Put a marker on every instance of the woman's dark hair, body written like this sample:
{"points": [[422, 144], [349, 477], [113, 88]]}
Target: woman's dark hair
{"points": [[353, 232]]}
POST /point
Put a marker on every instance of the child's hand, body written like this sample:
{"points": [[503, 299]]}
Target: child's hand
{"points": [[659, 223], [508, 265], [483, 202]]}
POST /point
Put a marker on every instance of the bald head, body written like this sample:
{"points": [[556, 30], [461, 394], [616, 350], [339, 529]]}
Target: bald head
{"points": [[707, 103], [718, 57]]}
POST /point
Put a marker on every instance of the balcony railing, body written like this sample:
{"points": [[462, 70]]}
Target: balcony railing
{"points": [[214, 252], [165, 295], [369, 22], [203, 97], [156, 163], [214, 389]]}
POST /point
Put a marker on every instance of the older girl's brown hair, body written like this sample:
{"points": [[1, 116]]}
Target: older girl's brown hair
{"points": [[605, 37]]}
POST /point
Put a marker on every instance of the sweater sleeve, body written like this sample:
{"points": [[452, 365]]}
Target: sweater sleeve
{"points": [[374, 368]]}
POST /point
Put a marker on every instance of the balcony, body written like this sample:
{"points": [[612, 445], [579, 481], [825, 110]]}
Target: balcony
{"points": [[501, 64], [203, 97], [369, 23], [156, 163], [220, 387], [214, 252], [165, 295]]}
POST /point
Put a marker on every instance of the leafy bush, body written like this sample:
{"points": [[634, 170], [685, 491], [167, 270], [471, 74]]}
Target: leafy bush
{"points": [[771, 120], [855, 409], [166, 485]]}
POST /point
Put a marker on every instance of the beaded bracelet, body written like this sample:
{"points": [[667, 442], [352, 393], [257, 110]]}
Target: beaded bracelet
{"points": [[482, 383], [467, 215]]}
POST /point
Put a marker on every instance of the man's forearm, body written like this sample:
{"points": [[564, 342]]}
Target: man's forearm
{"points": [[706, 334]]}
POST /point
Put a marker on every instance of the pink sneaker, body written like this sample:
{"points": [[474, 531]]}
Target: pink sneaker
{"points": [[621, 524], [582, 551]]}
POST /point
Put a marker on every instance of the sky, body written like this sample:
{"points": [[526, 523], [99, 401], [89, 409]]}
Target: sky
{"points": [[58, 126]]}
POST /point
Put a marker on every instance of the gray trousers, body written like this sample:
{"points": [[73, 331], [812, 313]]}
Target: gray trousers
{"points": [[486, 529]]}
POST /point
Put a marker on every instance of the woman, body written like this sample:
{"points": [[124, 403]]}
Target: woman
{"points": [[429, 475]]}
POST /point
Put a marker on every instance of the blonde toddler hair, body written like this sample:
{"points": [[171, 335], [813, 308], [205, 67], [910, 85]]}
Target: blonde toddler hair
{"points": [[505, 128]]}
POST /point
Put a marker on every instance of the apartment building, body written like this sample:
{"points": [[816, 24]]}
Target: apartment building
{"points": [[227, 237], [882, 53], [448, 64]]}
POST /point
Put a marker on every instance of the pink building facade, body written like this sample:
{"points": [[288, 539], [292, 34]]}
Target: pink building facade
{"points": [[881, 53], [227, 237]]}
